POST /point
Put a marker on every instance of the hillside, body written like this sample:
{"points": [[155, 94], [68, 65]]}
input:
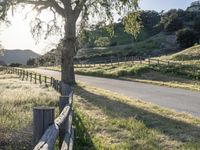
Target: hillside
{"points": [[186, 55], [17, 56], [154, 46], [192, 53]]}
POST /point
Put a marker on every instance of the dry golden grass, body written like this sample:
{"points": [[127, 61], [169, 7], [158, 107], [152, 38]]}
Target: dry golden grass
{"points": [[16, 102], [113, 121]]}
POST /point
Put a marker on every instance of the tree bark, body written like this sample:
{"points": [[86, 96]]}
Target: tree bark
{"points": [[68, 52]]}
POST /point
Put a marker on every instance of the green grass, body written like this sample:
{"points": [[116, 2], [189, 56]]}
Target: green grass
{"points": [[146, 47], [177, 76], [16, 103], [111, 121]]}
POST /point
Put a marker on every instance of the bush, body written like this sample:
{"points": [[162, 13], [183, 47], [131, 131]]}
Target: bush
{"points": [[102, 42], [186, 38], [31, 62], [15, 65]]}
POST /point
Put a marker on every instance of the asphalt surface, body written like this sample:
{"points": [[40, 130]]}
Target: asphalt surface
{"points": [[178, 99]]}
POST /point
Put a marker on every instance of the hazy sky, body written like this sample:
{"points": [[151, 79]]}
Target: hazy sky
{"points": [[18, 36]]}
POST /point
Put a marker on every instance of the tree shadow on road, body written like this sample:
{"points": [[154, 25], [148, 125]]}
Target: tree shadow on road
{"points": [[175, 129]]}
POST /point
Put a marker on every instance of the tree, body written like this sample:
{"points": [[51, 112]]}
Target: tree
{"points": [[197, 25], [172, 20], [70, 11], [150, 19], [31, 62], [186, 38]]}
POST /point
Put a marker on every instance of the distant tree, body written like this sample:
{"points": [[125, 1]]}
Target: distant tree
{"points": [[172, 20], [150, 19], [186, 38], [2, 63], [15, 65], [196, 26], [31, 62]]}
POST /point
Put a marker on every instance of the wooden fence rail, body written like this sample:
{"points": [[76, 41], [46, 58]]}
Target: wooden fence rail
{"points": [[194, 70], [46, 129]]}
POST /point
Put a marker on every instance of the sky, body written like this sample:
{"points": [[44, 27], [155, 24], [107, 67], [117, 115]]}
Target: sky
{"points": [[18, 35]]}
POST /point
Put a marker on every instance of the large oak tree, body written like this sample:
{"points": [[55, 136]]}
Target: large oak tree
{"points": [[77, 10]]}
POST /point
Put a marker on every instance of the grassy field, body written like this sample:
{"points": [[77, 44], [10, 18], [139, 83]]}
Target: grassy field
{"points": [[16, 103], [103, 120], [190, 54], [172, 76], [146, 47], [111, 121]]}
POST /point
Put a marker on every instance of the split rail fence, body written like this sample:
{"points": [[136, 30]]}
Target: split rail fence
{"points": [[191, 70], [46, 129]]}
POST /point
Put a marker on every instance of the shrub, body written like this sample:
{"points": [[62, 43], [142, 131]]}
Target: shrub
{"points": [[102, 42], [15, 65], [186, 38]]}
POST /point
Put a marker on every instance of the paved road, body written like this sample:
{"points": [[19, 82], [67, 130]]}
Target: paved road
{"points": [[178, 99]]}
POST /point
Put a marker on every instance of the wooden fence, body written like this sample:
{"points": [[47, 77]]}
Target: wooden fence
{"points": [[122, 60], [181, 68], [46, 129]]}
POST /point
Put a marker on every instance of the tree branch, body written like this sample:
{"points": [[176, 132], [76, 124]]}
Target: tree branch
{"points": [[79, 7], [46, 3], [57, 7]]}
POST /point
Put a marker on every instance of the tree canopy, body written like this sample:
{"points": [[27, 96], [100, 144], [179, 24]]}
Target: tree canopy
{"points": [[87, 12], [75, 13]]}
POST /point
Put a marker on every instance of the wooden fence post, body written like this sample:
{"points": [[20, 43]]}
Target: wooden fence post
{"points": [[23, 74], [35, 78], [56, 86], [31, 76], [40, 79], [42, 119], [140, 60], [51, 81], [45, 80], [158, 61], [27, 75], [64, 100]]}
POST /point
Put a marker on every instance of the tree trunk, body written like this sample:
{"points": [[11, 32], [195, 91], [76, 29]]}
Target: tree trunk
{"points": [[68, 52]]}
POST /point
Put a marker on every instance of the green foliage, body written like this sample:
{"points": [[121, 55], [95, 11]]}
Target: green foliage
{"points": [[4, 6], [102, 42], [150, 19], [31, 62], [15, 65], [171, 21], [186, 38], [196, 26], [132, 24]]}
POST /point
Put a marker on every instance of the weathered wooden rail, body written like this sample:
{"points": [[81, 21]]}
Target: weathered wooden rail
{"points": [[46, 129], [195, 71]]}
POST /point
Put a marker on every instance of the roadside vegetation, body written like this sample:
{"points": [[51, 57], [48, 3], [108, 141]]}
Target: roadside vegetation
{"points": [[17, 100], [103, 120], [180, 76], [112, 121]]}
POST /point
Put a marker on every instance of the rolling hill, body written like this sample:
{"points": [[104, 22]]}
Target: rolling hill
{"points": [[17, 56], [189, 55], [192, 53]]}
